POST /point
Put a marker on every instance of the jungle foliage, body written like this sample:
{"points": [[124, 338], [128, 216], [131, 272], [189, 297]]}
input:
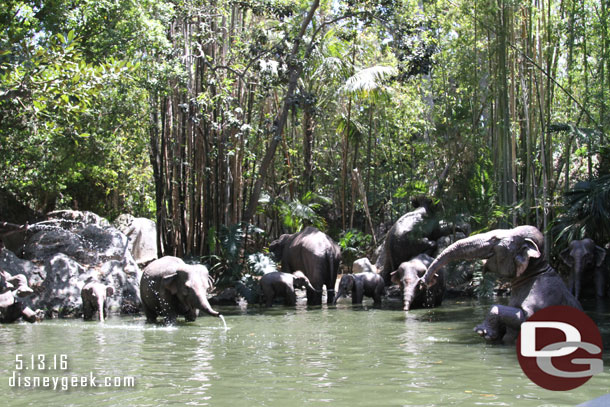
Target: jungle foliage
{"points": [[232, 121]]}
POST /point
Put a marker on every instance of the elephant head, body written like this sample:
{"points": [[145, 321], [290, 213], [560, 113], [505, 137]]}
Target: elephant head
{"points": [[509, 252], [277, 246], [346, 286], [408, 277], [581, 256], [94, 295], [190, 284], [301, 281]]}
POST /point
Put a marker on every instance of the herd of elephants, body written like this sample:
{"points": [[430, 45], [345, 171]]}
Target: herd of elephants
{"points": [[310, 259]]}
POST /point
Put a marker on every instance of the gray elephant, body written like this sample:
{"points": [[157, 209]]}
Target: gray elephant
{"points": [[94, 295], [278, 284], [413, 233], [517, 254], [361, 284], [585, 260], [169, 287], [315, 254], [415, 294], [12, 289]]}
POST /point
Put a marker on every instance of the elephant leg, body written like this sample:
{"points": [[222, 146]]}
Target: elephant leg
{"points": [[269, 296], [151, 315], [357, 296], [290, 297], [499, 318], [314, 298], [191, 315], [600, 282], [87, 310]]}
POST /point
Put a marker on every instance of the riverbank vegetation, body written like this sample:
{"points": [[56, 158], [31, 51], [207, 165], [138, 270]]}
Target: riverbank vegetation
{"points": [[229, 122]]}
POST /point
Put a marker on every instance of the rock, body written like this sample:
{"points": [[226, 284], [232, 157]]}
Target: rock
{"points": [[228, 296], [363, 265], [142, 234], [66, 250]]}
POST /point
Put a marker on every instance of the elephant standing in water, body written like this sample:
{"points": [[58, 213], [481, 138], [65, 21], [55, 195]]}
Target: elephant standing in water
{"points": [[585, 260], [278, 284], [514, 253], [361, 284], [169, 287], [415, 294], [315, 254], [94, 295]]}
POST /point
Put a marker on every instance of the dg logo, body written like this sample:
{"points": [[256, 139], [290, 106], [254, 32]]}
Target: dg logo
{"points": [[560, 348]]}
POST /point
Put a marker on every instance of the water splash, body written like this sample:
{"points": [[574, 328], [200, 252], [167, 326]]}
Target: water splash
{"points": [[223, 321]]}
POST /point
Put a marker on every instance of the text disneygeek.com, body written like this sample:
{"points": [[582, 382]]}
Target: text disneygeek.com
{"points": [[47, 363]]}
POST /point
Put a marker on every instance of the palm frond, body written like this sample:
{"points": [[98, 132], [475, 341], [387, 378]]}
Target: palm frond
{"points": [[369, 79]]}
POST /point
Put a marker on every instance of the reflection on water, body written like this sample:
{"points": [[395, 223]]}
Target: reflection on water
{"points": [[343, 355]]}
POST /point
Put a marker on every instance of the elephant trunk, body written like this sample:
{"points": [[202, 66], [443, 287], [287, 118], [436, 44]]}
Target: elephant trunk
{"points": [[474, 247], [408, 295], [340, 294], [205, 306], [577, 277]]}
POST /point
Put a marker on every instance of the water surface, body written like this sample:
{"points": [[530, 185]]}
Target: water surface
{"points": [[341, 356]]}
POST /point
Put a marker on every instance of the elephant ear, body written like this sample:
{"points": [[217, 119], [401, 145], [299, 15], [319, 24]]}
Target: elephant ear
{"points": [[529, 250], [109, 291], [7, 299], [395, 277], [566, 258], [600, 255], [169, 283]]}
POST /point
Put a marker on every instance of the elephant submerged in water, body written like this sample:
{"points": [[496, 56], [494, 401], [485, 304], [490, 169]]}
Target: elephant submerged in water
{"points": [[278, 284], [315, 254], [359, 285], [169, 287], [517, 254], [586, 261]]}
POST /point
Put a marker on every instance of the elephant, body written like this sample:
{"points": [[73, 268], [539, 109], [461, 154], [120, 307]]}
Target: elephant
{"points": [[315, 254], [12, 288], [361, 284], [169, 287], [518, 254], [585, 260], [94, 295], [278, 284], [413, 233], [415, 294]]}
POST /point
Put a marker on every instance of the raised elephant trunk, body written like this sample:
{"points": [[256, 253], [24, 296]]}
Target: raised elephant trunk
{"points": [[474, 247]]}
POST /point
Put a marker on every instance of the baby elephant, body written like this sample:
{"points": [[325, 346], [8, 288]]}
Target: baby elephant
{"points": [[361, 284], [278, 284], [94, 295], [414, 291]]}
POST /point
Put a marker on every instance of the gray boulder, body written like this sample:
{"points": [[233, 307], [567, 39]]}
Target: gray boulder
{"points": [[68, 249], [142, 234]]}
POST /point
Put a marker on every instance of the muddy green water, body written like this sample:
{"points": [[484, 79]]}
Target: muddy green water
{"points": [[340, 356]]}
